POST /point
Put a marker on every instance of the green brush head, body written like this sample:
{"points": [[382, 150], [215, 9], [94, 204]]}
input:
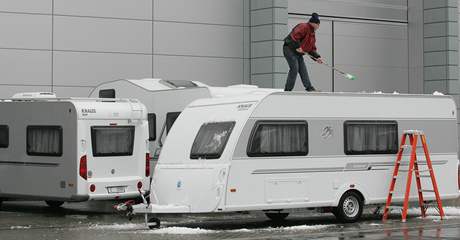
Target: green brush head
{"points": [[350, 77]]}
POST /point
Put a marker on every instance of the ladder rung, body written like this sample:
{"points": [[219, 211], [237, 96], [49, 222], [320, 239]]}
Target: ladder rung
{"points": [[395, 207], [424, 176], [426, 190], [409, 146], [428, 205], [413, 170]]}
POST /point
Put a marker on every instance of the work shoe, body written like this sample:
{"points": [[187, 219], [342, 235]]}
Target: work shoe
{"points": [[311, 89]]}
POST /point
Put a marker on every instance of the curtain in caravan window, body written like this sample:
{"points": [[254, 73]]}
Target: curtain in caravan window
{"points": [[112, 141], [44, 140], [4, 136], [152, 119], [279, 139], [211, 140], [371, 137]]}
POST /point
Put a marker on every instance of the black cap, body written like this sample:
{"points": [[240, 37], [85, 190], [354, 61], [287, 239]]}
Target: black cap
{"points": [[314, 18]]}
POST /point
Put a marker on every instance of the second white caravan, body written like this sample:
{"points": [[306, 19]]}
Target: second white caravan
{"points": [[165, 100], [67, 150], [277, 151]]}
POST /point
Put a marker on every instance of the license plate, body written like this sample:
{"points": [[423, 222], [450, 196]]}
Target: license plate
{"points": [[116, 189]]}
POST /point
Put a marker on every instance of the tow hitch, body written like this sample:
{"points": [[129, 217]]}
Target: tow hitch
{"points": [[127, 207]]}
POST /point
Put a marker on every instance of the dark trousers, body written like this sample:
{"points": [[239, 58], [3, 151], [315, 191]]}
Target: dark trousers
{"points": [[296, 65]]}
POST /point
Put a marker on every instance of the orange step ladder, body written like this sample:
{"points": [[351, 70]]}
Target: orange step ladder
{"points": [[413, 167]]}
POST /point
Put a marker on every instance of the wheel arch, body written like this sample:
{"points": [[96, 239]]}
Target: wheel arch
{"points": [[360, 190]]}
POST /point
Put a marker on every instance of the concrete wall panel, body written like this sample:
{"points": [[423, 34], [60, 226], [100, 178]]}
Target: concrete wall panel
{"points": [[200, 11], [104, 35], [198, 39], [138, 9], [25, 67], [90, 69], [25, 31]]}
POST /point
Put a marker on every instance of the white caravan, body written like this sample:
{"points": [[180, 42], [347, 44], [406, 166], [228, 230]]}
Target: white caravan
{"points": [[278, 151], [69, 150], [165, 100]]}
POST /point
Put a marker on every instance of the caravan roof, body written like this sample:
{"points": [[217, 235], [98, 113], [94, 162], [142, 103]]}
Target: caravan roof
{"points": [[95, 108], [372, 105]]}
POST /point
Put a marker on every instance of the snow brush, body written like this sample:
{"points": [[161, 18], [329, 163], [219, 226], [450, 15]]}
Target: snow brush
{"points": [[346, 75]]}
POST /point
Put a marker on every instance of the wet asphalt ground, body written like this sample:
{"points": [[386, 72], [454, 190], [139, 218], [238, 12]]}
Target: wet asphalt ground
{"points": [[34, 220]]}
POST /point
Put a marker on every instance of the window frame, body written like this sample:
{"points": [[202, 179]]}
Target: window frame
{"points": [[211, 156], [111, 90], [7, 128], [181, 83], [168, 128], [258, 123], [154, 137], [54, 127], [369, 122], [94, 143]]}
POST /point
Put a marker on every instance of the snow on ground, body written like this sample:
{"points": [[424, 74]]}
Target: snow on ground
{"points": [[20, 227], [451, 213], [299, 228], [180, 230], [117, 226], [375, 224], [186, 230]]}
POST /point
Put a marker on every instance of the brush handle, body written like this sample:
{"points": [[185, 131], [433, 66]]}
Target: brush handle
{"points": [[330, 66]]}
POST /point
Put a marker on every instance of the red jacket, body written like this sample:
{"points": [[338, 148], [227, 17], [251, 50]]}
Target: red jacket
{"points": [[303, 36]]}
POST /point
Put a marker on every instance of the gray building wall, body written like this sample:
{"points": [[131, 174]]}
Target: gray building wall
{"points": [[69, 46]]}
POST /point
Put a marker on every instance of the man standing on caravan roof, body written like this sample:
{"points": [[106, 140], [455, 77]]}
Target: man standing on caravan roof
{"points": [[301, 40]]}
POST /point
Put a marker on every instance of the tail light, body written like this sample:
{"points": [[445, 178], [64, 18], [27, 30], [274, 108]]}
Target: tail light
{"points": [[458, 176], [92, 188], [147, 164], [139, 185], [83, 167]]}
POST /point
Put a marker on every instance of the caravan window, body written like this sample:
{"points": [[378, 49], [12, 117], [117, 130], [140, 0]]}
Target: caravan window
{"points": [[44, 140], [4, 136], [211, 140], [112, 140], [170, 119], [278, 138], [371, 137], [152, 119], [107, 93]]}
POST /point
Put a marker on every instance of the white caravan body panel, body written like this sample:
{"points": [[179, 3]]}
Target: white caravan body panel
{"points": [[316, 179], [44, 176]]}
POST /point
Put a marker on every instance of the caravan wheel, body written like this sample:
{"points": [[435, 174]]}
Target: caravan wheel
{"points": [[54, 204], [277, 216], [350, 207], [1, 201]]}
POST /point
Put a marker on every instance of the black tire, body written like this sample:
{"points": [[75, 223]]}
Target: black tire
{"points": [[1, 201], [350, 207], [54, 204], [277, 216], [154, 223]]}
